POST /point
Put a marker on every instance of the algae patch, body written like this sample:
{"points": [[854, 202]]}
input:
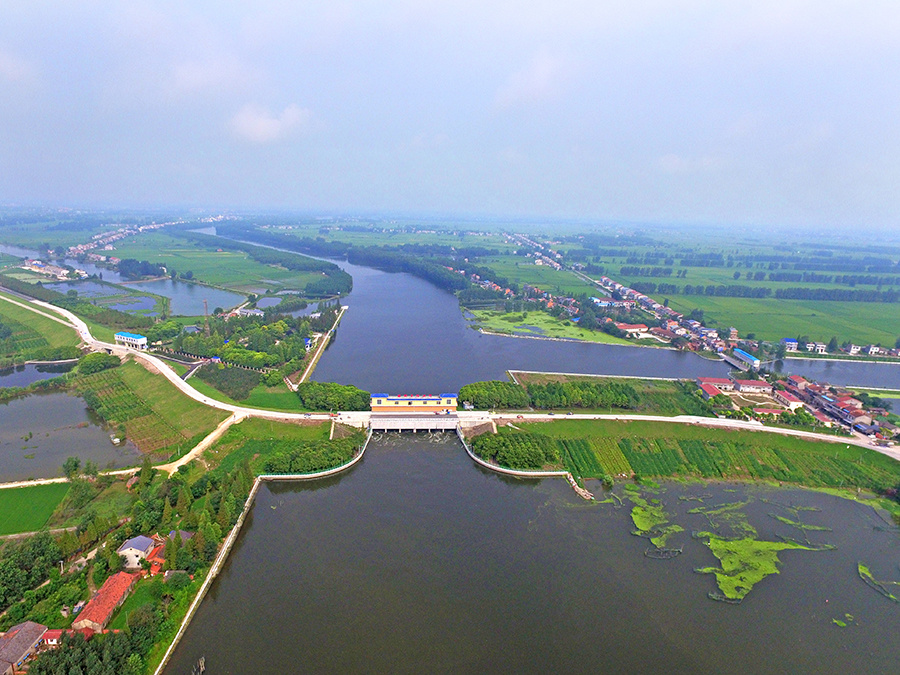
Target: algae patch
{"points": [[881, 586], [651, 521]]}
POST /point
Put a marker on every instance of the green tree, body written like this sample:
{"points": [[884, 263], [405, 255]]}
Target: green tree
{"points": [[832, 344], [71, 466]]}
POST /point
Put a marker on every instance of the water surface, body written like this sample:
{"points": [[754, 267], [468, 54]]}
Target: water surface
{"points": [[187, 299], [38, 432], [22, 376], [419, 561]]}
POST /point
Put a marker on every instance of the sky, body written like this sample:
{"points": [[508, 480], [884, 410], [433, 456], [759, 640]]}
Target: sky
{"points": [[767, 113]]}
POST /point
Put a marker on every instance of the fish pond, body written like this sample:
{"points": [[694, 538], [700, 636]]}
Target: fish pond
{"points": [[38, 432], [417, 560], [22, 376]]}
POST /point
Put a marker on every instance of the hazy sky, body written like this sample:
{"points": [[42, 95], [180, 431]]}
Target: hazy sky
{"points": [[767, 112]]}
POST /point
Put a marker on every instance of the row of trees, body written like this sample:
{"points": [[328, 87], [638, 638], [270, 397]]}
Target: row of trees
{"points": [[131, 268], [312, 456], [553, 395], [332, 396], [517, 451]]}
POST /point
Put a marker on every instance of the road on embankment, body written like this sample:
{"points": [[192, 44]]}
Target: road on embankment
{"points": [[361, 419]]}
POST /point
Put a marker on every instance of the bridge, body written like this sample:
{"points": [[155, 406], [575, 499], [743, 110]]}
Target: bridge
{"points": [[413, 423]]}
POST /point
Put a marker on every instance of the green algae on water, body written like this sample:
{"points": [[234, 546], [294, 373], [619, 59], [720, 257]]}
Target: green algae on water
{"points": [[881, 586], [651, 521], [744, 562]]}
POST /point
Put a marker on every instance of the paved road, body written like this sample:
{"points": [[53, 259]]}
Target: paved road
{"points": [[361, 419]]}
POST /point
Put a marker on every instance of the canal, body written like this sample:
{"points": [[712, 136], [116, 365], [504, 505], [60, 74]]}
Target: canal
{"points": [[419, 561]]}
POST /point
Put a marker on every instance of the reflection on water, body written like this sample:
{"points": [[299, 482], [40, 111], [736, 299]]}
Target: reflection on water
{"points": [[419, 561], [22, 376], [38, 433]]}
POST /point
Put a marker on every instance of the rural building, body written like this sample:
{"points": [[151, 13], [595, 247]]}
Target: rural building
{"points": [[817, 347], [853, 350], [18, 643], [709, 391], [790, 344], [873, 350], [135, 549], [132, 340], [54, 636], [633, 329], [749, 359], [788, 400], [720, 383], [798, 382], [110, 597], [775, 412], [753, 386], [413, 404]]}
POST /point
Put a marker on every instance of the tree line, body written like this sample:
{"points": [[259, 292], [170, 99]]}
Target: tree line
{"points": [[552, 395]]}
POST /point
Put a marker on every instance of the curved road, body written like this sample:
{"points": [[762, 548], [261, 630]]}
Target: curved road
{"points": [[361, 419]]}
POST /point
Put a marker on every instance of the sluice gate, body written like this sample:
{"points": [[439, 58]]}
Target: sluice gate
{"points": [[413, 423]]}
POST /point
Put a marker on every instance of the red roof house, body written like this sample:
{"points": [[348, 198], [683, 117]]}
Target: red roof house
{"points": [[109, 598]]}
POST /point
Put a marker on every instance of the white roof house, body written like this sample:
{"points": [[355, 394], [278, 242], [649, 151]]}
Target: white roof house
{"points": [[136, 549]]}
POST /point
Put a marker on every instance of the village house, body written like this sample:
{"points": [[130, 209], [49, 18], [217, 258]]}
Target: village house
{"points": [[709, 391], [17, 644], [720, 383], [108, 599], [790, 344], [787, 399], [134, 550], [753, 386]]}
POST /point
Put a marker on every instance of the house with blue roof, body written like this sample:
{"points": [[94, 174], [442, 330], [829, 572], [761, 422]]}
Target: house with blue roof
{"points": [[132, 340]]}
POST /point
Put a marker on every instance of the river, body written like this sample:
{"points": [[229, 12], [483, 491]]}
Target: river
{"points": [[417, 560], [38, 432], [404, 335]]}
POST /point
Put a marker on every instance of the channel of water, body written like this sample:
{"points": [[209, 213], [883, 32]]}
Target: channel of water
{"points": [[417, 560]]}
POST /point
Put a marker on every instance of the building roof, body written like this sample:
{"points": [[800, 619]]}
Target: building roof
{"points": [[102, 605], [788, 396], [714, 380], [133, 336], [416, 397], [741, 352], [140, 542], [752, 383], [710, 389], [768, 411], [17, 642]]}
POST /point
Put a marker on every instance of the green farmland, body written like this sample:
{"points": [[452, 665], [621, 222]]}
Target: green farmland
{"points": [[233, 270], [520, 270], [773, 319], [157, 417], [28, 509], [32, 331], [542, 324], [591, 448]]}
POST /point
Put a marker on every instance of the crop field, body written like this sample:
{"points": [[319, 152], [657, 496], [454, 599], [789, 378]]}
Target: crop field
{"points": [[541, 324], [228, 269], [677, 450], [773, 319], [256, 438], [520, 270], [28, 509], [32, 331], [157, 417], [399, 237]]}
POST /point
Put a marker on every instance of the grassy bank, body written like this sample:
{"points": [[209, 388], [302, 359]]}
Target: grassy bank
{"points": [[32, 331], [541, 324], [28, 509], [258, 440], [594, 448]]}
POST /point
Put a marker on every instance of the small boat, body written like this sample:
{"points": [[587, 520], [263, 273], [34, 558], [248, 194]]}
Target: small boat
{"points": [[200, 668]]}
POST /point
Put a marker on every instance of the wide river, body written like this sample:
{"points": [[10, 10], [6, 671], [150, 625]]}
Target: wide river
{"points": [[418, 561], [403, 335]]}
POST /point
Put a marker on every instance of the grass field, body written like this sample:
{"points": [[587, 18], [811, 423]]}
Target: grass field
{"points": [[270, 398], [255, 438], [157, 417], [28, 509], [31, 330], [227, 269], [542, 324], [770, 319], [398, 237], [652, 449]]}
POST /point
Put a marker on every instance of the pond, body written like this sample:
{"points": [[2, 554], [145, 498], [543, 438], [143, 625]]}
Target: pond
{"points": [[38, 433], [419, 561], [22, 376], [187, 299]]}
